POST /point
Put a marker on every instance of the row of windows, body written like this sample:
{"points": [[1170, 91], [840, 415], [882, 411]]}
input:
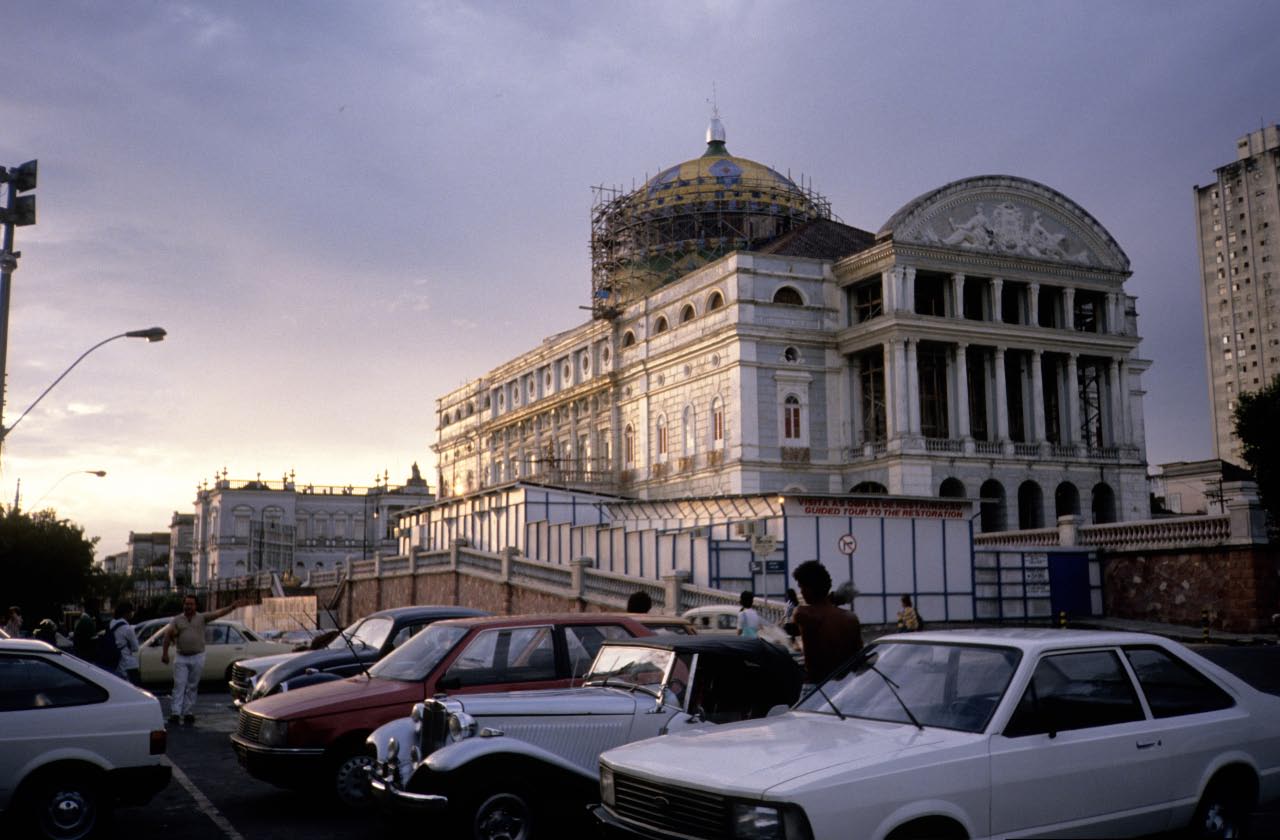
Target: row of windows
{"points": [[786, 296], [688, 433]]}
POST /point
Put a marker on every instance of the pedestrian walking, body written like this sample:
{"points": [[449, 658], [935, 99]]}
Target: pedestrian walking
{"points": [[748, 618], [828, 634], [13, 625], [126, 641], [86, 630], [186, 633], [908, 618], [46, 631]]}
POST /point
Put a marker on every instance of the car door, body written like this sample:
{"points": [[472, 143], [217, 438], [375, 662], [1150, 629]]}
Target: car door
{"points": [[218, 652], [502, 658], [1079, 757]]}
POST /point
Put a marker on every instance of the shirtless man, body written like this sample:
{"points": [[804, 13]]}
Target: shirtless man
{"points": [[828, 634]]}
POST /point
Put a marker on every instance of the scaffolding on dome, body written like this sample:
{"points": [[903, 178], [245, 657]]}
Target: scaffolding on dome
{"points": [[641, 240]]}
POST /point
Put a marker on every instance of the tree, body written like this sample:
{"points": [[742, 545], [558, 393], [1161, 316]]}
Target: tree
{"points": [[45, 562], [1256, 419]]}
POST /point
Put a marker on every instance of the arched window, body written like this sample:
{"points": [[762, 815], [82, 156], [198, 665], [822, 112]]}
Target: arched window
{"points": [[873, 488], [1030, 506], [952, 488], [717, 424], [628, 338], [992, 506], [791, 355], [660, 325], [715, 301], [791, 417], [1066, 500], [1104, 504], [686, 431], [661, 437], [629, 445], [788, 296], [687, 313]]}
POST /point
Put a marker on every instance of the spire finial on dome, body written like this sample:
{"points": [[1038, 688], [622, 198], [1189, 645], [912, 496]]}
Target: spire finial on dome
{"points": [[715, 128]]}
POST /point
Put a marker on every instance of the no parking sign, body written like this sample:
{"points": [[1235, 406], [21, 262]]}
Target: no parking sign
{"points": [[847, 544]]}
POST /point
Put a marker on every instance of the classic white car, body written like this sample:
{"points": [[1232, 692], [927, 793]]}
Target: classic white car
{"points": [[970, 734], [523, 763], [226, 643]]}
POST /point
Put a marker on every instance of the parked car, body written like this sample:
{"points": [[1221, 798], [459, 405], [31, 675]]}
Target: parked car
{"points": [[976, 733], [722, 619], [76, 741], [525, 763], [666, 624], [359, 646], [144, 630], [314, 737], [225, 643]]}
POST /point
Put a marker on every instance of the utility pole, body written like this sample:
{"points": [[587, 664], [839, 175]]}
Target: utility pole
{"points": [[19, 210]]}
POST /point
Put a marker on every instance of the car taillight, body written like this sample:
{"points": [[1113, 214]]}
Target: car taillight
{"points": [[159, 740]]}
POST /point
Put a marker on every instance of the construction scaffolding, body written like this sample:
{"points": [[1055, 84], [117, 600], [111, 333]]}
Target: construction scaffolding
{"points": [[645, 238]]}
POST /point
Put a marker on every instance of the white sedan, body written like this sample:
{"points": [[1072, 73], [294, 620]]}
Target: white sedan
{"points": [[971, 734], [226, 642]]}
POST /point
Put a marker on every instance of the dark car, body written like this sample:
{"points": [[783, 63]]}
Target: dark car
{"points": [[314, 738], [356, 648]]}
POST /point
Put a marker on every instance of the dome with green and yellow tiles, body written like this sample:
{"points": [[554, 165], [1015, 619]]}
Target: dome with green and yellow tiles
{"points": [[690, 214]]}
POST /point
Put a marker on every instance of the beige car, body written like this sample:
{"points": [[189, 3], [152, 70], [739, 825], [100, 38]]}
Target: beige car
{"points": [[225, 643]]}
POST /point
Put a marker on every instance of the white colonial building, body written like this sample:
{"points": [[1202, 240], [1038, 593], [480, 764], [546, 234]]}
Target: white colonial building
{"points": [[246, 527], [979, 345]]}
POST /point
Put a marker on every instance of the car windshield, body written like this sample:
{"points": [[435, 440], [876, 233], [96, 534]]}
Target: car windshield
{"points": [[370, 633], [950, 686], [627, 665], [417, 658]]}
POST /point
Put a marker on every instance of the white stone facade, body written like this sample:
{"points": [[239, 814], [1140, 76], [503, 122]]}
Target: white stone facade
{"points": [[982, 346]]}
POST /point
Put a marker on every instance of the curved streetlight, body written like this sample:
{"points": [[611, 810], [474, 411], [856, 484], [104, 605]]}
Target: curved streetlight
{"points": [[151, 334], [98, 473]]}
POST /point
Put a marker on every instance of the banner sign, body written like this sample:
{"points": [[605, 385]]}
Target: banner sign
{"points": [[871, 506]]}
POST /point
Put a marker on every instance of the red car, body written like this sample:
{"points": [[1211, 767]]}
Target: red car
{"points": [[316, 733]]}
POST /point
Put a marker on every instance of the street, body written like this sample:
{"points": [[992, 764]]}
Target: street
{"points": [[212, 798]]}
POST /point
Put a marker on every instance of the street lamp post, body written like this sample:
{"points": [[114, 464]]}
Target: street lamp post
{"points": [[98, 473], [151, 334]]}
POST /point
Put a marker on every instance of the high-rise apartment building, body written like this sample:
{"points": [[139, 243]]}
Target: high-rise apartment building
{"points": [[1241, 285]]}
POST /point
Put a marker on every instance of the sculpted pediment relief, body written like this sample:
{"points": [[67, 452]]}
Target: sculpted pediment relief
{"points": [[1010, 217]]}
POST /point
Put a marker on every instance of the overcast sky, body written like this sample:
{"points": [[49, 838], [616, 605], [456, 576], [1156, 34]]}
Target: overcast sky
{"points": [[340, 210]]}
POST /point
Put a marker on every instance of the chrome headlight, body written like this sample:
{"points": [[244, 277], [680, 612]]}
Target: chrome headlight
{"points": [[461, 725], [606, 786], [757, 822], [274, 733], [393, 750]]}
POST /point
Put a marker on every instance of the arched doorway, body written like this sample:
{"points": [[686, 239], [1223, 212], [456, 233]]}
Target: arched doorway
{"points": [[1104, 504], [951, 488], [1066, 500], [992, 506], [1030, 506], [873, 487]]}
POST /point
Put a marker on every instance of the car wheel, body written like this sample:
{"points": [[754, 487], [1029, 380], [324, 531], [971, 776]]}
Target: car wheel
{"points": [[351, 780], [1223, 813], [66, 809], [502, 813]]}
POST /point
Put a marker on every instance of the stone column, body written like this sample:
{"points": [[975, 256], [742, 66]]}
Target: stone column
{"points": [[889, 289], [913, 387], [1001, 397], [1033, 304], [957, 295], [1113, 395], [1068, 308], [1112, 325], [672, 584], [1073, 401], [1122, 407], [890, 389], [1037, 398], [901, 396], [962, 389], [997, 300], [909, 289], [857, 434]]}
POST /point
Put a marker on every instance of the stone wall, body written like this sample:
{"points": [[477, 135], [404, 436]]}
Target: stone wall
{"points": [[1237, 585]]}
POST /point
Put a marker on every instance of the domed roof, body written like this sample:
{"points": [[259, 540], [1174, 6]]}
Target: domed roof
{"points": [[718, 175]]}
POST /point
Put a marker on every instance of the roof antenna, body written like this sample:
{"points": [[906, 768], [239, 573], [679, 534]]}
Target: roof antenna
{"points": [[715, 129]]}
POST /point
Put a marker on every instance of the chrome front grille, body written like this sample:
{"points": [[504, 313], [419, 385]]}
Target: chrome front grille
{"points": [[241, 675], [249, 726], [435, 726], [693, 813]]}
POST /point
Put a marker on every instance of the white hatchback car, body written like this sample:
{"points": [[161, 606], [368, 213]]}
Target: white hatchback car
{"points": [[970, 734], [74, 740]]}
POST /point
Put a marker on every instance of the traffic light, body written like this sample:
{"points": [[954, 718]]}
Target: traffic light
{"points": [[22, 208]]}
